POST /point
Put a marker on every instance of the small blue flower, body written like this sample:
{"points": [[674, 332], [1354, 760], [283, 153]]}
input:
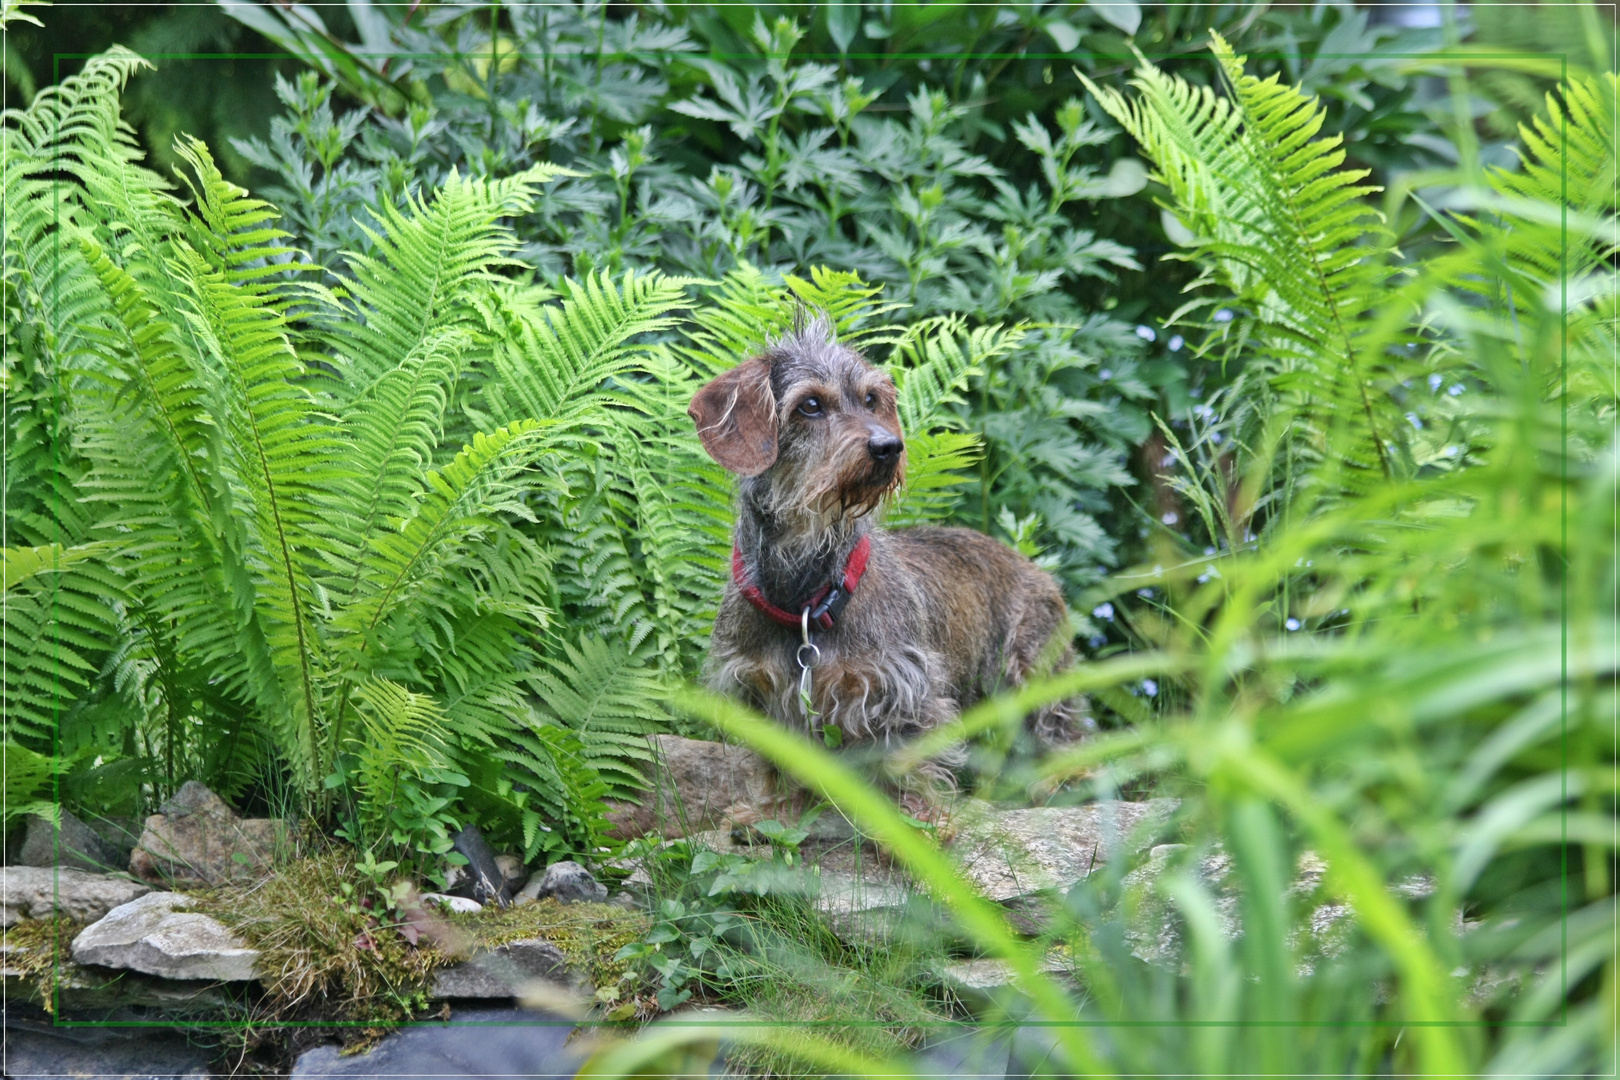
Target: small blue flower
{"points": [[1223, 315], [1454, 389], [1292, 624], [1170, 517], [1105, 374], [1146, 594], [1175, 343], [1146, 333], [1149, 687], [1414, 421], [1097, 641], [1450, 451], [1434, 382], [1104, 610]]}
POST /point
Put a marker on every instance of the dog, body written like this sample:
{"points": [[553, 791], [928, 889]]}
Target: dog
{"points": [[899, 629]]}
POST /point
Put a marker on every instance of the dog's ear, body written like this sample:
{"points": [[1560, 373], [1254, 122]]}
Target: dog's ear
{"points": [[736, 418]]}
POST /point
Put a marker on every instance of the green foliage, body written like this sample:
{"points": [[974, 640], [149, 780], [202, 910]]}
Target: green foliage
{"points": [[757, 163], [283, 580], [1284, 231], [742, 927], [1412, 683], [404, 542]]}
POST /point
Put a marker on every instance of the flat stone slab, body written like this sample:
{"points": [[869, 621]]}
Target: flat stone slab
{"points": [[76, 988], [694, 781], [38, 892], [156, 936], [1013, 854], [502, 972], [985, 981]]}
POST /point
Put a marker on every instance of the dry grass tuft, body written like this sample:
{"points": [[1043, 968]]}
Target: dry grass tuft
{"points": [[36, 951]]}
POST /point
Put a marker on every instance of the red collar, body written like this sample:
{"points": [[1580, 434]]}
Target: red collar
{"points": [[825, 606]]}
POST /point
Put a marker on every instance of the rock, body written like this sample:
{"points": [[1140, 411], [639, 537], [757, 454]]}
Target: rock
{"points": [[458, 905], [37, 1049], [694, 781], [1154, 929], [867, 908], [155, 935], [196, 841], [513, 872], [38, 892], [483, 872], [475, 1042], [502, 972], [73, 988], [69, 843], [986, 981], [1012, 854], [568, 882], [626, 900]]}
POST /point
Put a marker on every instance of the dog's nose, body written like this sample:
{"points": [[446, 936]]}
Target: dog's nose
{"points": [[883, 447]]}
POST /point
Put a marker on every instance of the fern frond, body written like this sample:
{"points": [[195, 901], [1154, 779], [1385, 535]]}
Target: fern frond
{"points": [[391, 430], [1568, 160], [548, 368], [602, 694], [936, 466], [230, 228], [427, 265], [551, 764], [280, 452], [56, 624], [933, 361], [27, 781], [460, 500], [1282, 227]]}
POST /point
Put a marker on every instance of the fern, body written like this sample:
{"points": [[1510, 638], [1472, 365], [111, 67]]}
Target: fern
{"points": [[402, 769], [600, 692], [937, 464], [57, 624], [390, 429], [430, 260], [27, 783], [552, 366], [1280, 226]]}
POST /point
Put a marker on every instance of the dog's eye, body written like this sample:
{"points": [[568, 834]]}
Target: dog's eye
{"points": [[871, 400], [810, 406]]}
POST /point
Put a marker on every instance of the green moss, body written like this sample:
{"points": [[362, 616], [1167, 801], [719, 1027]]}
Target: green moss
{"points": [[37, 950], [587, 934], [323, 960]]}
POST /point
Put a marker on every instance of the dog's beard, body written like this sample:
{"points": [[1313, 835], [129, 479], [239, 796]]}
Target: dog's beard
{"points": [[812, 511], [865, 488]]}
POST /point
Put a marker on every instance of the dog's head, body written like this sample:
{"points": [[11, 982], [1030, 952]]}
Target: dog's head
{"points": [[810, 419]]}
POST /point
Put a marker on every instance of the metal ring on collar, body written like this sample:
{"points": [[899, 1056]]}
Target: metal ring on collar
{"points": [[799, 654]]}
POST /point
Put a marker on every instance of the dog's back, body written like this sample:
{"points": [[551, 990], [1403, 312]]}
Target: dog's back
{"points": [[994, 615]]}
